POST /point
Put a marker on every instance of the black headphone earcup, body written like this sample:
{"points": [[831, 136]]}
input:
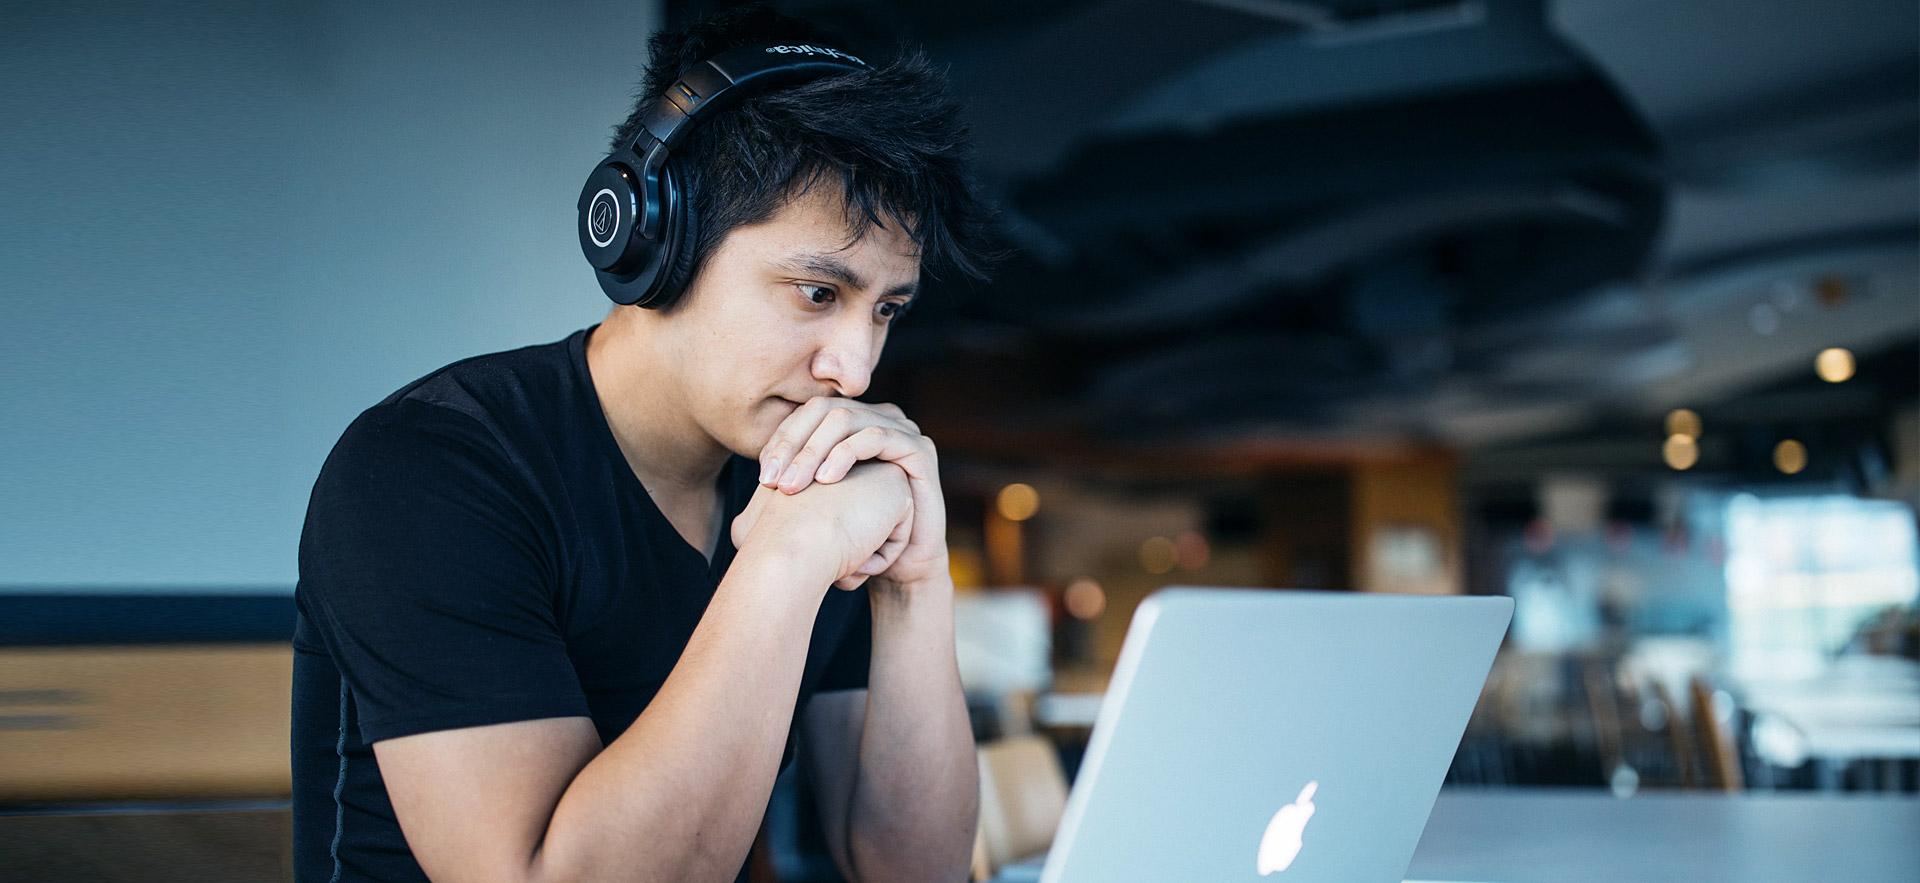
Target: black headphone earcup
{"points": [[677, 274], [611, 204]]}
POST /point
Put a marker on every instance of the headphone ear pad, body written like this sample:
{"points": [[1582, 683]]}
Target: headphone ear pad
{"points": [[678, 273]]}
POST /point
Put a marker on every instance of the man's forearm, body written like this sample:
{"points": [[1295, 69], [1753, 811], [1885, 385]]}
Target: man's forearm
{"points": [[680, 795], [916, 798]]}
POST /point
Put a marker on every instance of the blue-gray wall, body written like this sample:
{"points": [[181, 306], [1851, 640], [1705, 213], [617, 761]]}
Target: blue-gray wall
{"points": [[227, 228]]}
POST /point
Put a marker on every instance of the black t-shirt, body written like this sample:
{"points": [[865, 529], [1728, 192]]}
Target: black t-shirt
{"points": [[478, 551]]}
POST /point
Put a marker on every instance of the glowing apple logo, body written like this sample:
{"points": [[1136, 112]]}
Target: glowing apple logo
{"points": [[1282, 841]]}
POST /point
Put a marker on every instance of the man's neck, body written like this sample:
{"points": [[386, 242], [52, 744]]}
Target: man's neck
{"points": [[670, 454]]}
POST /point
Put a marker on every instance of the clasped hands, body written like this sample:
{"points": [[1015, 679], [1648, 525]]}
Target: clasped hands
{"points": [[823, 442]]}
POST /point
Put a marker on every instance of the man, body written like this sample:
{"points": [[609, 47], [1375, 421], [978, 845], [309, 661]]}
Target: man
{"points": [[565, 612]]}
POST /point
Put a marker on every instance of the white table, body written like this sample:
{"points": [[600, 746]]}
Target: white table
{"points": [[1067, 709], [1551, 835], [1859, 709]]}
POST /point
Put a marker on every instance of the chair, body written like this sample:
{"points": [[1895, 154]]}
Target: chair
{"points": [[981, 869], [1013, 713], [1716, 739], [1680, 739], [1603, 710], [1023, 793]]}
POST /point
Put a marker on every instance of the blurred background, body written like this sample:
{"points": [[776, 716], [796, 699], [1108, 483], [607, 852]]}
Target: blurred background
{"points": [[1612, 306]]}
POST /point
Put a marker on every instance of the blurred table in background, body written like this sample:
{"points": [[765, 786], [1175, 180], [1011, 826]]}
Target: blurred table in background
{"points": [[143, 737], [1067, 710], [1860, 708], [1551, 835], [160, 722]]}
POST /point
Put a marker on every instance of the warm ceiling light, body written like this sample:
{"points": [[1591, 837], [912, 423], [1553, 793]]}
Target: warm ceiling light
{"points": [[1790, 456], [1192, 551], [1832, 290], [1018, 502], [1834, 365], [1085, 599], [1680, 451], [1158, 555], [1681, 421]]}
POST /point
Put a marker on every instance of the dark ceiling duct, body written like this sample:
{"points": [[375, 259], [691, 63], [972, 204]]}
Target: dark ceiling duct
{"points": [[1197, 267], [1219, 382], [1516, 196], [1431, 218]]}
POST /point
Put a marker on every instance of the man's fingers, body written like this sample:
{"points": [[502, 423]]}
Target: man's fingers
{"points": [[892, 410], [867, 444], [912, 453], [793, 431], [882, 560], [781, 457], [798, 473]]}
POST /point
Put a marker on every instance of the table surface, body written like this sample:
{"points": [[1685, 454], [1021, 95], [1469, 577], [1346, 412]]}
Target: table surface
{"points": [[1567, 835], [1545, 835]]}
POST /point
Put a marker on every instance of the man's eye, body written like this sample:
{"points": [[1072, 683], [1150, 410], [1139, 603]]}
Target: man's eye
{"points": [[818, 295], [890, 310]]}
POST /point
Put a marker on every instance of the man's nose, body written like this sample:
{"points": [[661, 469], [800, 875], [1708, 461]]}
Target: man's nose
{"points": [[846, 360]]}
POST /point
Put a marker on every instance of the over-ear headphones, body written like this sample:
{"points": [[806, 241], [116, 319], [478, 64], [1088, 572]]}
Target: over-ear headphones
{"points": [[635, 226]]}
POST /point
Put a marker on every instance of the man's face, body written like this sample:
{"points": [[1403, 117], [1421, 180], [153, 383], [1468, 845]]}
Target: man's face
{"points": [[783, 311]]}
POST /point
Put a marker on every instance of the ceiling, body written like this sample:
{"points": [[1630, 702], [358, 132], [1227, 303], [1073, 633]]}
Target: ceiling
{"points": [[1467, 224]]}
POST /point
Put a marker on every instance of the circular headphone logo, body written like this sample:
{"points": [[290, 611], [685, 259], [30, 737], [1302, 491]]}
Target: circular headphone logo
{"points": [[603, 217]]}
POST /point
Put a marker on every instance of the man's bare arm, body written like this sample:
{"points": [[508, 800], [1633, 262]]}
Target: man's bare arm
{"points": [[679, 796], [830, 729], [916, 802]]}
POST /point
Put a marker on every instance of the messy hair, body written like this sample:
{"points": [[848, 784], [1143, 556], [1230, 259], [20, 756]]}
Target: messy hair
{"points": [[889, 136]]}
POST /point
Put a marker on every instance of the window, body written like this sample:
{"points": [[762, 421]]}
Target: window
{"points": [[1803, 574]]}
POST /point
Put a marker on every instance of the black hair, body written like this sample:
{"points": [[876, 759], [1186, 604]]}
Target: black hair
{"points": [[889, 136]]}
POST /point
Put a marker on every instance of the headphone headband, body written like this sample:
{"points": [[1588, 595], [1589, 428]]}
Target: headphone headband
{"points": [[723, 80]]}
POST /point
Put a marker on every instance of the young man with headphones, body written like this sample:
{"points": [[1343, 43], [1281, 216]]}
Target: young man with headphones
{"points": [[565, 612]]}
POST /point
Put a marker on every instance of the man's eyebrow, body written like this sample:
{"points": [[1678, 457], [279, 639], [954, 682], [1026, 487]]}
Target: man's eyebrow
{"points": [[815, 264]]}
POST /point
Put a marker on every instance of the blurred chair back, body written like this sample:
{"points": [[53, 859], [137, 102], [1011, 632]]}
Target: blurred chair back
{"points": [[1023, 793], [1680, 741], [1603, 707], [1716, 738]]}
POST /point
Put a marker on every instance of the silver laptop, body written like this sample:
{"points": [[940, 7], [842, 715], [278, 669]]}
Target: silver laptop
{"points": [[1279, 736]]}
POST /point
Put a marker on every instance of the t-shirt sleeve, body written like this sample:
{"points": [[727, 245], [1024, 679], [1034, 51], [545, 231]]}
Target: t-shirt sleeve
{"points": [[846, 667], [424, 572]]}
